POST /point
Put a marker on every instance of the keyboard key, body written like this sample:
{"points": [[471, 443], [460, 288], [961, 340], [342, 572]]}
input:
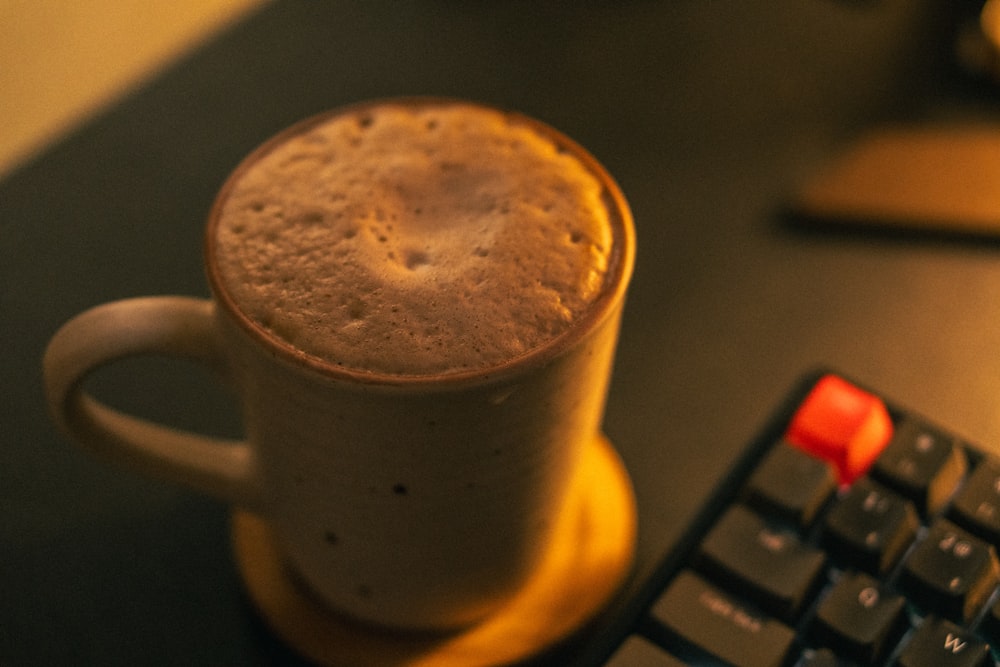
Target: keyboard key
{"points": [[791, 486], [922, 464], [637, 652], [842, 424], [951, 572], [712, 625], [977, 505], [860, 619], [938, 643], [772, 567], [870, 528]]}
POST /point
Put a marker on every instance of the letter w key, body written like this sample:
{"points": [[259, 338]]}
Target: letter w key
{"points": [[940, 643], [954, 644]]}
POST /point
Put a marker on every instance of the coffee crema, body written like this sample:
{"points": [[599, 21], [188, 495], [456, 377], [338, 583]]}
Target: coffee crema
{"points": [[413, 239]]}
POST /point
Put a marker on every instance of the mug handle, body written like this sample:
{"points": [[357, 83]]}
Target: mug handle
{"points": [[171, 326]]}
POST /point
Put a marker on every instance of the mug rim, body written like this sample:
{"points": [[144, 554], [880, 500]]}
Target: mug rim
{"points": [[620, 265]]}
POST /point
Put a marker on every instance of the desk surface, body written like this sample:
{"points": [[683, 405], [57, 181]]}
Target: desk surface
{"points": [[710, 118]]}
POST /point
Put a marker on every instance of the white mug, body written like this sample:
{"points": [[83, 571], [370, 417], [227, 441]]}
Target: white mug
{"points": [[412, 502]]}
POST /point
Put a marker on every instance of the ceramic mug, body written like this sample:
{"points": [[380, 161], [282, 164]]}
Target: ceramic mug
{"points": [[417, 501]]}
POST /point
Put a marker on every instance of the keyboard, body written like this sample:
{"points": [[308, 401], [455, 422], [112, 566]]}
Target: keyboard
{"points": [[853, 531]]}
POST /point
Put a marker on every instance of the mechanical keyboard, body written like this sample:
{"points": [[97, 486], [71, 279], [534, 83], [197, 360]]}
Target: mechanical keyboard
{"points": [[852, 532]]}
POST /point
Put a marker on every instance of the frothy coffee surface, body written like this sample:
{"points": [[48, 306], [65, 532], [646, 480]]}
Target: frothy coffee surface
{"points": [[415, 240]]}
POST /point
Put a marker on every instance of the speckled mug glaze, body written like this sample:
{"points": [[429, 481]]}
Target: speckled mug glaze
{"points": [[412, 502]]}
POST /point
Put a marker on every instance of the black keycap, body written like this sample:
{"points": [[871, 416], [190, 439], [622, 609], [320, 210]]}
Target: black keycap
{"points": [[791, 486], [770, 566], [977, 506], [637, 652], [922, 464], [938, 643], [709, 624], [859, 619], [870, 527], [951, 572]]}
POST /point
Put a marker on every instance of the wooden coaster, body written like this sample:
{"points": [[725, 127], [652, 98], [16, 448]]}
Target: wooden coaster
{"points": [[591, 556]]}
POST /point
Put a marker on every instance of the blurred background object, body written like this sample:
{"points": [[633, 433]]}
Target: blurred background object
{"points": [[61, 62], [977, 44]]}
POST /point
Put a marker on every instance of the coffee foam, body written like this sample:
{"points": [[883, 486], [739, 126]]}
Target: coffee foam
{"points": [[415, 240]]}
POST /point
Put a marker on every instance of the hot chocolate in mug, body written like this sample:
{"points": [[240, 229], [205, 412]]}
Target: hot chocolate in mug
{"points": [[417, 302]]}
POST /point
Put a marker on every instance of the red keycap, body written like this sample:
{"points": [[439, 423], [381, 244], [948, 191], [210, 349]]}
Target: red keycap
{"points": [[842, 424]]}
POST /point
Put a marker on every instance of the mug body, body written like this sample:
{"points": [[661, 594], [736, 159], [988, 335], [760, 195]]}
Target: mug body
{"points": [[425, 505]]}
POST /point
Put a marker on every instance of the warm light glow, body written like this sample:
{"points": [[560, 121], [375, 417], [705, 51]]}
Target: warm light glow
{"points": [[989, 22], [590, 558]]}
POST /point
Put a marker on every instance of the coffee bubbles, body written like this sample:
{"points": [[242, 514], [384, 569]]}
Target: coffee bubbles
{"points": [[415, 239]]}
